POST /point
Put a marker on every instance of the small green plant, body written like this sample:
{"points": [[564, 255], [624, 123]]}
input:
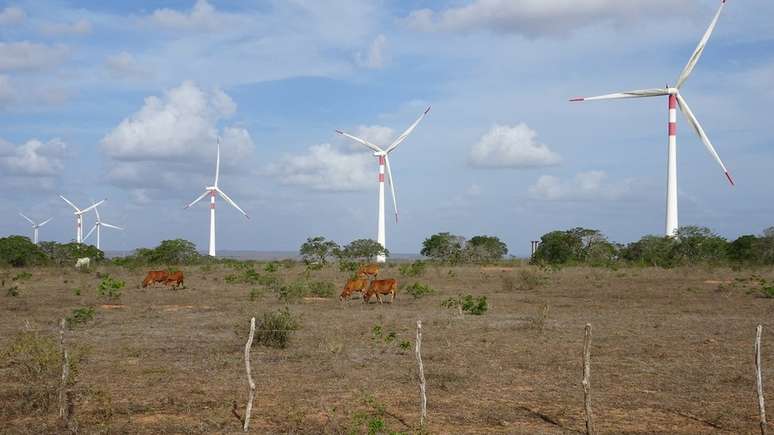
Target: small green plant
{"points": [[467, 304], [292, 292], [80, 316], [323, 289], [245, 276], [22, 276], [276, 328], [417, 268], [376, 332], [271, 267], [419, 290], [110, 287], [404, 345], [768, 290], [77, 291], [12, 291], [255, 293]]}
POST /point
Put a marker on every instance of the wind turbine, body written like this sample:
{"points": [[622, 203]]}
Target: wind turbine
{"points": [[384, 160], [79, 217], [675, 100], [97, 225], [213, 191], [35, 226]]}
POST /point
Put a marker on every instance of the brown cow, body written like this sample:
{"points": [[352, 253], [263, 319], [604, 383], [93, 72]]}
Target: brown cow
{"points": [[368, 270], [155, 276], [381, 287], [175, 279], [353, 286]]}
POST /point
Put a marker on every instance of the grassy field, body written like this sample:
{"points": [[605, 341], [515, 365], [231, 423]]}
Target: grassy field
{"points": [[671, 353]]}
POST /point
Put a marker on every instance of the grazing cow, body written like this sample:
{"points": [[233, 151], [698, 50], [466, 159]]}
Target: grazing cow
{"points": [[381, 287], [155, 276], [175, 279], [353, 286], [84, 262], [368, 270]]}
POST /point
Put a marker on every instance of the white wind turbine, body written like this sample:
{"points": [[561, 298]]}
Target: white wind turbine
{"points": [[384, 160], [213, 191], [79, 217], [97, 226], [35, 226], [675, 99]]}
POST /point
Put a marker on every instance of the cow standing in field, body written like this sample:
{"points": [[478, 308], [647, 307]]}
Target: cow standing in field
{"points": [[83, 263], [155, 276], [175, 279], [368, 271], [353, 286], [381, 287]]}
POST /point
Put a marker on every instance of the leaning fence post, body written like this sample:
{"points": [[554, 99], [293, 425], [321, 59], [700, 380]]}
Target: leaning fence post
{"points": [[587, 380], [759, 379], [422, 385], [250, 382], [65, 373]]}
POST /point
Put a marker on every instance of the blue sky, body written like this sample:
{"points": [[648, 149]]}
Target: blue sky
{"points": [[123, 100]]}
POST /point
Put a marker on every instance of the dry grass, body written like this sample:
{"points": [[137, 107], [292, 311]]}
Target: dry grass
{"points": [[672, 353]]}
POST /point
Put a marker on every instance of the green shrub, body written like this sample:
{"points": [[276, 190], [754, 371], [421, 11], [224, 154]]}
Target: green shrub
{"points": [[467, 304], [292, 292], [276, 328], [416, 268], [80, 316], [419, 290], [255, 293], [110, 288], [405, 345], [12, 291], [22, 276], [271, 267], [19, 251], [323, 289]]}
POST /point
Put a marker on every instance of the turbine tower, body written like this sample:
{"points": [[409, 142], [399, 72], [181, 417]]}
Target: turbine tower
{"points": [[97, 226], [384, 161], [35, 226], [676, 100], [213, 191], [79, 217]]}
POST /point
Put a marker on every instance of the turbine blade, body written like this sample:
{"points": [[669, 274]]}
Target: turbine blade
{"points": [[206, 192], [28, 219], [360, 141], [89, 233], [96, 210], [45, 222], [700, 131], [91, 206], [110, 226], [231, 201], [408, 131], [71, 204], [392, 187], [699, 48], [217, 164], [628, 94]]}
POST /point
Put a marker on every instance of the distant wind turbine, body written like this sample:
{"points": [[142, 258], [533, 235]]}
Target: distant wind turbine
{"points": [[79, 217], [35, 226], [213, 191], [97, 226], [384, 160], [675, 100]]}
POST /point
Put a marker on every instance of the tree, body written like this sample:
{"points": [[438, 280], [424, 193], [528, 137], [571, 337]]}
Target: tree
{"points": [[651, 250], [444, 247], [362, 250], [557, 247], [316, 250], [177, 251], [699, 244], [483, 249], [19, 251], [69, 253], [744, 249]]}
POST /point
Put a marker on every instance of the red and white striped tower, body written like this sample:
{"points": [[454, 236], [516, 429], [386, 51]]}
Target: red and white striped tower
{"points": [[671, 199], [212, 224], [78, 228], [380, 232]]}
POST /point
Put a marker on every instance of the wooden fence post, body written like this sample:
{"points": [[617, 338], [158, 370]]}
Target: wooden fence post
{"points": [[587, 380], [422, 385], [250, 382], [759, 379], [65, 374]]}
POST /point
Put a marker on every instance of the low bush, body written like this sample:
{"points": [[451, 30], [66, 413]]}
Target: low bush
{"points": [[525, 279], [271, 267], [292, 292], [12, 291], [276, 328], [467, 304], [416, 268], [110, 287], [22, 276], [323, 289], [419, 290], [255, 293], [80, 316]]}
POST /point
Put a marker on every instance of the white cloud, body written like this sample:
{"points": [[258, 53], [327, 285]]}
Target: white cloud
{"points": [[30, 55], [534, 18], [124, 65], [376, 57], [7, 92], [11, 15], [169, 135], [586, 186], [203, 17], [33, 158], [326, 168], [511, 147], [79, 27]]}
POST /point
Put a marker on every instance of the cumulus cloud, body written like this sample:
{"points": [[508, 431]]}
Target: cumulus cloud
{"points": [[535, 18], [80, 27], [33, 158], [124, 65], [21, 56], [12, 15], [585, 186], [202, 17], [511, 147], [376, 57], [326, 168], [174, 133]]}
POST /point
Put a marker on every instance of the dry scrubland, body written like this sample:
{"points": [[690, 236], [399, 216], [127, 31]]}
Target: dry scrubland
{"points": [[671, 353]]}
